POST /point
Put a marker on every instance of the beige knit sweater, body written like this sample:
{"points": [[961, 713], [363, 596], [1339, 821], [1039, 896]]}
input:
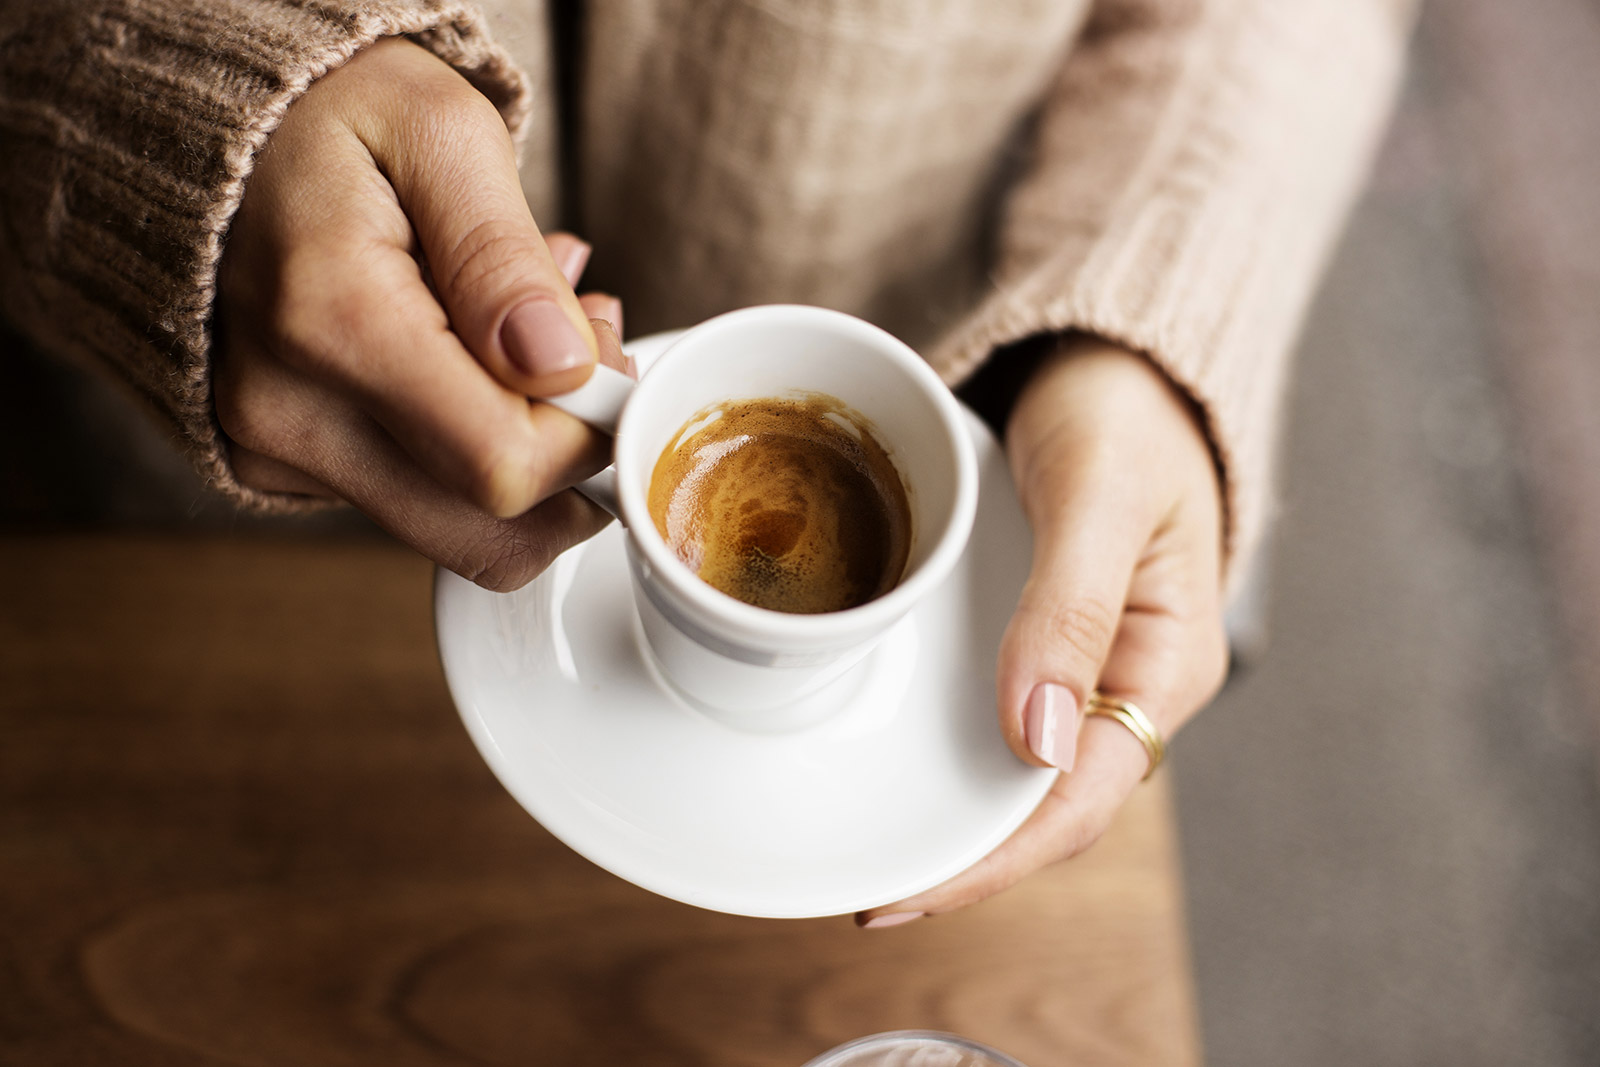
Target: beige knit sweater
{"points": [[1169, 174]]}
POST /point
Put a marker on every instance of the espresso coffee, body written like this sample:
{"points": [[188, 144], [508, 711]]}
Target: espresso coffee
{"points": [[791, 505]]}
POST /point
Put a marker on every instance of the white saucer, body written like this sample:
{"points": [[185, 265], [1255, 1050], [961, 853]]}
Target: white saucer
{"points": [[909, 784]]}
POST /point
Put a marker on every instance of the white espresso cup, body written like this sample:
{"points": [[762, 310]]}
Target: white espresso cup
{"points": [[747, 665]]}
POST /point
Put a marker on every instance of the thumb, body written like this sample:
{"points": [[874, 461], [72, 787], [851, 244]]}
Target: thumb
{"points": [[454, 170], [1066, 621]]}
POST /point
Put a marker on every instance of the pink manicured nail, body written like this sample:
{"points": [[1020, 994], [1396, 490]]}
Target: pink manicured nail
{"points": [[572, 261], [540, 340], [1050, 724], [895, 919], [611, 311]]}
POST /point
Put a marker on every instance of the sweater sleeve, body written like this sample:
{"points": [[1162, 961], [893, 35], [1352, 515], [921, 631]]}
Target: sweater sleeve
{"points": [[1188, 174], [127, 131]]}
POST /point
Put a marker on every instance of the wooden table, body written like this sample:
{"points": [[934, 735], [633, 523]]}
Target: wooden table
{"points": [[240, 823]]}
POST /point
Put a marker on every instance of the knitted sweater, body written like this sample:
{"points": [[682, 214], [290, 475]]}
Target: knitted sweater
{"points": [[1168, 174]]}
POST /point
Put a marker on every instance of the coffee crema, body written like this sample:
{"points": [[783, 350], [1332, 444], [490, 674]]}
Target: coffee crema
{"points": [[791, 505]]}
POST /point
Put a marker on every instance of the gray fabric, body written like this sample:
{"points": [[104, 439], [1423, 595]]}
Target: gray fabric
{"points": [[1391, 824]]}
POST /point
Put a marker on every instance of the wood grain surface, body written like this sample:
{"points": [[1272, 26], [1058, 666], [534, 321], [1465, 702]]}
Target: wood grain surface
{"points": [[240, 823]]}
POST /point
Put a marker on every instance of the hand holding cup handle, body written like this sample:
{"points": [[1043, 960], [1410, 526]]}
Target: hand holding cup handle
{"points": [[387, 305]]}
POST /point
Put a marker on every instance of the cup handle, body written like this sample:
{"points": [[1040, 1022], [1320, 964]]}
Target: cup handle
{"points": [[602, 489], [598, 402]]}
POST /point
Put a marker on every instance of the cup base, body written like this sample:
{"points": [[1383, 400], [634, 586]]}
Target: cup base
{"points": [[871, 689]]}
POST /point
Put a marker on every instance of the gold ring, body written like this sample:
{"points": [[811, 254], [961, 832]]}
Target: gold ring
{"points": [[1137, 722]]}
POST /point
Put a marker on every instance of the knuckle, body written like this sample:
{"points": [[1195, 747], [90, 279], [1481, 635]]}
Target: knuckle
{"points": [[473, 117], [463, 115], [445, 107], [446, 92], [505, 561], [1084, 627], [1069, 467], [485, 252], [517, 551], [503, 473]]}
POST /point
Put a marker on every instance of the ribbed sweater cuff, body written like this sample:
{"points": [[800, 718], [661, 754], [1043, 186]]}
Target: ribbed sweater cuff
{"points": [[1206, 256], [133, 129]]}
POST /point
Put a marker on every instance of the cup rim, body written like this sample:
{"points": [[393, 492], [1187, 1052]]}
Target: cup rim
{"points": [[766, 624]]}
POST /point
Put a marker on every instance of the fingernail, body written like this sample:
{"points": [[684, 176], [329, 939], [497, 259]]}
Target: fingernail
{"points": [[1050, 725], [540, 340], [896, 919], [572, 261], [611, 311]]}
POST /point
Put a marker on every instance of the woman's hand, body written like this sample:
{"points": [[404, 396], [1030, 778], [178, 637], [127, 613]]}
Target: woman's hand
{"points": [[386, 307], [1124, 597]]}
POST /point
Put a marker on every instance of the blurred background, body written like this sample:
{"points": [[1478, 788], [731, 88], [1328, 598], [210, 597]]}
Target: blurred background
{"points": [[1390, 822], [1390, 819]]}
